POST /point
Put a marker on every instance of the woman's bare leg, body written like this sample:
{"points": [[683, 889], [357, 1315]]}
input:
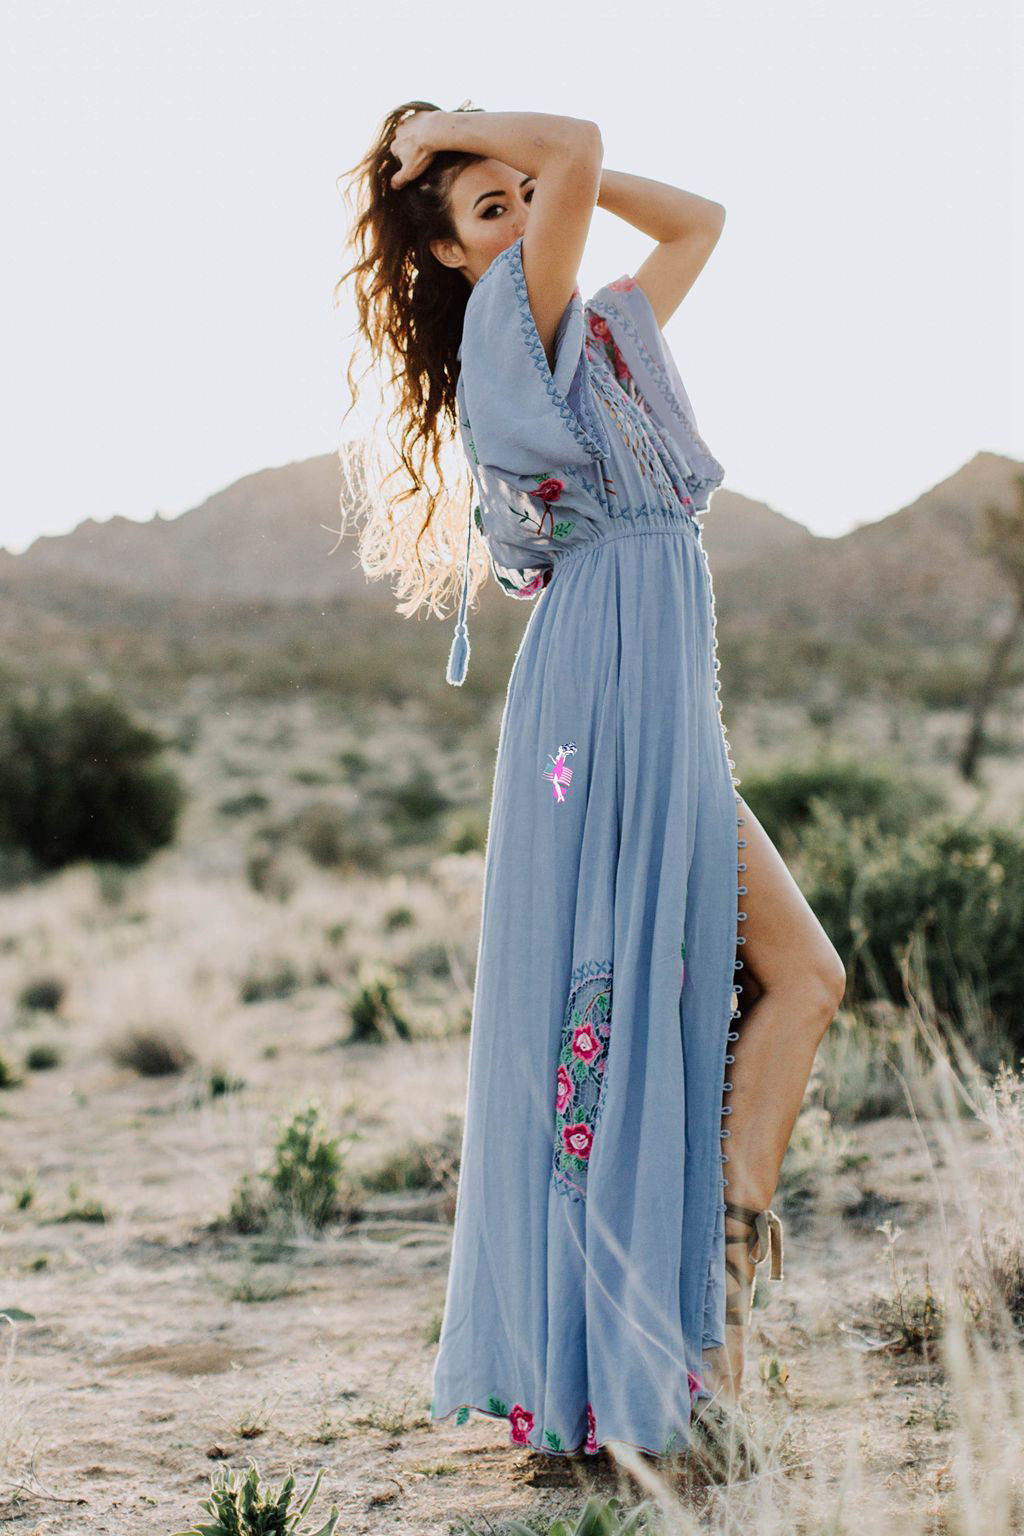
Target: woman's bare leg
{"points": [[793, 981]]}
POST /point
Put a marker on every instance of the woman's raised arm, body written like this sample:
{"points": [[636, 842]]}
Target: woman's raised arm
{"points": [[564, 154]]}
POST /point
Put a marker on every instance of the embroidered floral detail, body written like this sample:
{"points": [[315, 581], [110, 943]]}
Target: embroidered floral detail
{"points": [[521, 1420], [623, 284], [560, 530], [463, 1414], [540, 580], [591, 1441], [495, 1405], [560, 773], [695, 1383], [550, 488], [579, 1079], [600, 329], [552, 1441]]}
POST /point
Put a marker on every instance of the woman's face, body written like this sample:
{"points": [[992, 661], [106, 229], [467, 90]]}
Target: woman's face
{"points": [[490, 203]]}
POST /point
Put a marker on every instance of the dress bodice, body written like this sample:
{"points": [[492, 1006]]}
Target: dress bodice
{"points": [[557, 455]]}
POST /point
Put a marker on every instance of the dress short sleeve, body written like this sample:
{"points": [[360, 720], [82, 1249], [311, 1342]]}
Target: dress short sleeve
{"points": [[525, 418], [620, 319], [521, 423]]}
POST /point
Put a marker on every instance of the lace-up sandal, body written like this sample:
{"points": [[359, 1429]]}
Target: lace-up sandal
{"points": [[763, 1240]]}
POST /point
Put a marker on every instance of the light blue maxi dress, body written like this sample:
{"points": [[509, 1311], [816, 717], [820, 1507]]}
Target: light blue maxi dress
{"points": [[587, 1267]]}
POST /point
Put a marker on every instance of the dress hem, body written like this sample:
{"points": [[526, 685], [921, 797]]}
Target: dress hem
{"points": [[581, 1445]]}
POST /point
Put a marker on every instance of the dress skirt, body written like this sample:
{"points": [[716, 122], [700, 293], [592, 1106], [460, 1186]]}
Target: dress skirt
{"points": [[587, 1266]]}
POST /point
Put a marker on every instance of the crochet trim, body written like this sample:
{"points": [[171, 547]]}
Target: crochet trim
{"points": [[710, 470]]}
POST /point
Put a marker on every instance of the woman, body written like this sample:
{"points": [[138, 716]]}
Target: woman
{"points": [[590, 1296]]}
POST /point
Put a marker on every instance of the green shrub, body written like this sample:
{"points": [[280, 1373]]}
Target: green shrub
{"points": [[42, 1057], [79, 780], [955, 888], [45, 994], [783, 800], [151, 1052]]}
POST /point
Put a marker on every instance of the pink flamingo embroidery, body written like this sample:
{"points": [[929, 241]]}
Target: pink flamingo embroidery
{"points": [[560, 773]]}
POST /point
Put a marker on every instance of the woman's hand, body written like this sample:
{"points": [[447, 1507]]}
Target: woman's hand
{"points": [[412, 146]]}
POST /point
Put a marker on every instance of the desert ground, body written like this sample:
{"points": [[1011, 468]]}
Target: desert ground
{"points": [[152, 1341]]}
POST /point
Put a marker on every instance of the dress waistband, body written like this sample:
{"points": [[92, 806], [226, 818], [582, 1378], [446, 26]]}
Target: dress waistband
{"points": [[673, 525], [639, 522]]}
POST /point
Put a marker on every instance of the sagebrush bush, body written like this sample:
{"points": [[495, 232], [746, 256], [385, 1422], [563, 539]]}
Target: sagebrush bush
{"points": [[151, 1051], [957, 886], [45, 994], [784, 799], [80, 780]]}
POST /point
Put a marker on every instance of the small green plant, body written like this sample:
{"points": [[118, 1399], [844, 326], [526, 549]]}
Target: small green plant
{"points": [[82, 1210], [307, 1163], [8, 1077], [221, 1082], [244, 805], [374, 1011], [303, 1183], [599, 1517], [45, 993], [398, 917], [42, 1057], [423, 1165], [152, 1051], [244, 1506], [910, 1319], [279, 982]]}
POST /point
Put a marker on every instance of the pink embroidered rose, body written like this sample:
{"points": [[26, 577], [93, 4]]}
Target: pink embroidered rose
{"points": [[623, 284], [694, 1381], [585, 1043], [550, 489], [621, 371], [564, 1093], [599, 328], [577, 1138], [521, 1420], [591, 1442], [540, 580]]}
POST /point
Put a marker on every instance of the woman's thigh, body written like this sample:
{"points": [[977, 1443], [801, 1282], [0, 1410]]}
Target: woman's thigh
{"points": [[785, 943]]}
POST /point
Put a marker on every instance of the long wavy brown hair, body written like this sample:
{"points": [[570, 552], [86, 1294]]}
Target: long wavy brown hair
{"points": [[410, 310]]}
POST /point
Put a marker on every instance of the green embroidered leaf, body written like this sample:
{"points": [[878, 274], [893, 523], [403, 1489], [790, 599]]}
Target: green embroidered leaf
{"points": [[478, 519], [560, 530], [555, 1441], [496, 1405], [463, 1414]]}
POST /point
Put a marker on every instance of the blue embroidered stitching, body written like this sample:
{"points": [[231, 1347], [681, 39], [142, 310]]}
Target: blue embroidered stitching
{"points": [[536, 350]]}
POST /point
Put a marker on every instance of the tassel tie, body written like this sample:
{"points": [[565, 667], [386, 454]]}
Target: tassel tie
{"points": [[458, 656]]}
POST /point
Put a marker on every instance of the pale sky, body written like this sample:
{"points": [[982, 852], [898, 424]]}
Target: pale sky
{"points": [[175, 231]]}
